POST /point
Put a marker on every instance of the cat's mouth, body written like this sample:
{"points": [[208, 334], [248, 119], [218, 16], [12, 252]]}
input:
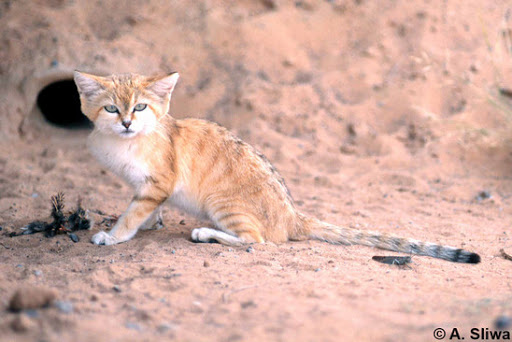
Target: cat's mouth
{"points": [[127, 133]]}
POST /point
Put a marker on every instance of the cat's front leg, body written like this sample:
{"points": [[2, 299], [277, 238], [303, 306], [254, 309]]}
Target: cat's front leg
{"points": [[139, 211], [154, 221]]}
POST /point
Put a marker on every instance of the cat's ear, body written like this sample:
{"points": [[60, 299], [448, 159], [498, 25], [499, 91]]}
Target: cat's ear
{"points": [[88, 85], [164, 86]]}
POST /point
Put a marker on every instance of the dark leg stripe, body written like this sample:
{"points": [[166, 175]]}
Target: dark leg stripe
{"points": [[148, 199], [234, 224], [228, 215], [151, 179]]}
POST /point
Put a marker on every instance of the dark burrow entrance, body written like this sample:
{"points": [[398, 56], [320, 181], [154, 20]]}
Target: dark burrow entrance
{"points": [[59, 103]]}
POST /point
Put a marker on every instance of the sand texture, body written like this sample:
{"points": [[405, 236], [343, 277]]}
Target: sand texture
{"points": [[380, 115]]}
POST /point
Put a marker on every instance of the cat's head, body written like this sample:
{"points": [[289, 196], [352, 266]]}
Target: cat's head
{"points": [[125, 105]]}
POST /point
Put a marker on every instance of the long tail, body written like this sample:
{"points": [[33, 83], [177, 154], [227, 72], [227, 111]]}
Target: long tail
{"points": [[319, 230]]}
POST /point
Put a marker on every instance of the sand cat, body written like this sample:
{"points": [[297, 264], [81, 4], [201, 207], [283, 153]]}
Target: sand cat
{"points": [[205, 170]]}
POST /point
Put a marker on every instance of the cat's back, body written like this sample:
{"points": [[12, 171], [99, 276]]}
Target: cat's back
{"points": [[206, 145]]}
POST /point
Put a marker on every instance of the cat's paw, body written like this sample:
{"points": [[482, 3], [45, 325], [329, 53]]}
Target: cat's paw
{"points": [[210, 235], [103, 238], [202, 235]]}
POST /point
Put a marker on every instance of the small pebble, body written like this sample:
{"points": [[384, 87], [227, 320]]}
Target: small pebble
{"points": [[483, 195], [31, 298], [247, 304], [35, 195], [116, 288], [270, 4], [249, 249], [64, 306], [318, 270], [131, 307], [172, 275], [133, 326], [182, 222], [38, 273], [164, 327], [1, 228], [74, 237], [31, 313], [206, 264], [502, 322], [173, 252]]}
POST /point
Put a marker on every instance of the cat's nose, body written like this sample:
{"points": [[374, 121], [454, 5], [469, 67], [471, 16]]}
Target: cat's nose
{"points": [[127, 123]]}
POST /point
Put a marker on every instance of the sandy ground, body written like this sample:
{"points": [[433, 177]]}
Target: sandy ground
{"points": [[380, 115]]}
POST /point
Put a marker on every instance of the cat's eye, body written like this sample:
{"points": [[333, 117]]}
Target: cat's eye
{"points": [[111, 109], [139, 107]]}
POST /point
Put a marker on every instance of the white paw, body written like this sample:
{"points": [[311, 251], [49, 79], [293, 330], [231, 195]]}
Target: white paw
{"points": [[103, 238], [201, 235]]}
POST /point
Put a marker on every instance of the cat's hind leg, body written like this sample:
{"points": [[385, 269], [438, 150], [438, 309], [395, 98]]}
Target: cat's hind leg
{"points": [[214, 235], [235, 228], [209, 235]]}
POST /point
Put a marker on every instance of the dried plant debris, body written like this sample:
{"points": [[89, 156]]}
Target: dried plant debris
{"points": [[393, 260], [61, 224], [506, 92], [505, 255]]}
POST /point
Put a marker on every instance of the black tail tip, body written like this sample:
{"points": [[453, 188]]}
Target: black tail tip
{"points": [[473, 258]]}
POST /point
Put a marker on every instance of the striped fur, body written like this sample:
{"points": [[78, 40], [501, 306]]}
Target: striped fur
{"points": [[338, 235], [202, 168]]}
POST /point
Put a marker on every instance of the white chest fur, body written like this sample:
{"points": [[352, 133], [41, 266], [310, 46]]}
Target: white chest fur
{"points": [[120, 156]]}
